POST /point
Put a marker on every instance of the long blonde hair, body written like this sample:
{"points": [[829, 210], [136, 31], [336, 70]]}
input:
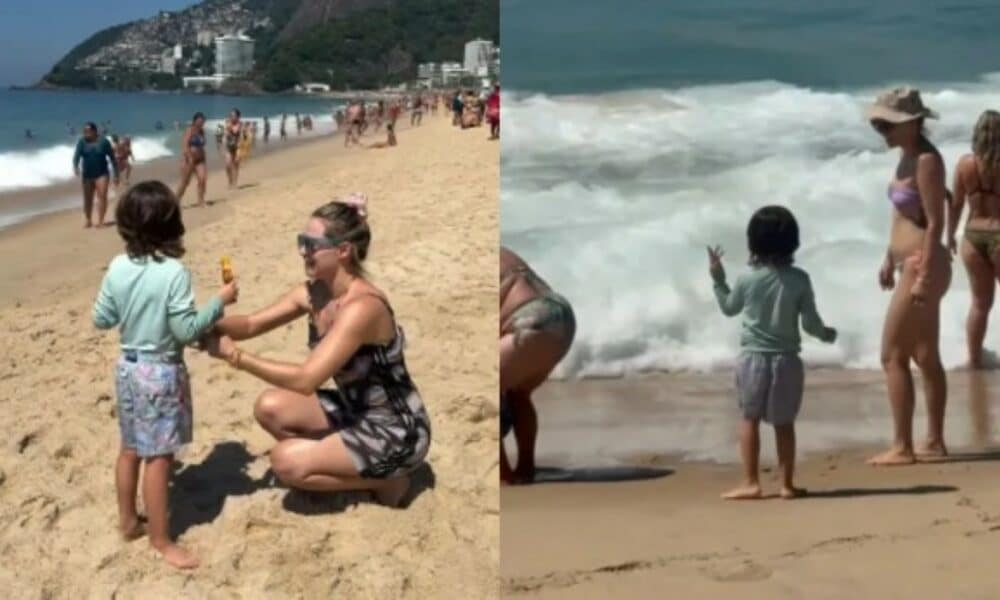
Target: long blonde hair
{"points": [[986, 142]]}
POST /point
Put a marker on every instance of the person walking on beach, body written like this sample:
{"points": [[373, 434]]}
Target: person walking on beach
{"points": [[220, 135], [124, 158], [537, 327], [233, 136], [354, 118], [349, 417], [147, 294], [493, 112], [977, 179], [91, 158], [298, 124], [912, 324], [394, 109], [379, 114], [193, 158], [267, 129], [457, 107], [282, 130], [417, 112], [773, 297]]}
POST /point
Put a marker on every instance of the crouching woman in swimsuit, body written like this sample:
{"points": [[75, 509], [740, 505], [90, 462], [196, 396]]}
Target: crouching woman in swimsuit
{"points": [[193, 150], [537, 327], [977, 178], [911, 331], [372, 430]]}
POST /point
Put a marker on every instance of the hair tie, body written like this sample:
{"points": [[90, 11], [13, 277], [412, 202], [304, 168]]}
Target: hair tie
{"points": [[359, 202]]}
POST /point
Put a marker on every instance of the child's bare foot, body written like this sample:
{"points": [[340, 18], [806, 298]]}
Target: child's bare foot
{"points": [[132, 530], [177, 556], [392, 491], [932, 449], [792, 492], [893, 457], [746, 492]]}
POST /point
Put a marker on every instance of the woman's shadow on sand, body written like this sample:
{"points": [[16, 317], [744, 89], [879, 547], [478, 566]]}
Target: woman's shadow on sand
{"points": [[199, 491], [597, 474]]}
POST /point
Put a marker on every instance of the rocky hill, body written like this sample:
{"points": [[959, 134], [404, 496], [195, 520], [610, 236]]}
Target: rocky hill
{"points": [[312, 13], [347, 43]]}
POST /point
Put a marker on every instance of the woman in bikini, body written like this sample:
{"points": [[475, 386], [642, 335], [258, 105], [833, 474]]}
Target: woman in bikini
{"points": [[350, 416], [124, 158], [193, 158], [911, 332], [233, 135], [537, 327], [977, 179]]}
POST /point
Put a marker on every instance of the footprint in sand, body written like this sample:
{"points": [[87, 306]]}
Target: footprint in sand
{"points": [[744, 571], [26, 441]]}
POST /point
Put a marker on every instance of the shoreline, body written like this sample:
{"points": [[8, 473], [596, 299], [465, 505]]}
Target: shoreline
{"points": [[66, 195], [692, 418]]}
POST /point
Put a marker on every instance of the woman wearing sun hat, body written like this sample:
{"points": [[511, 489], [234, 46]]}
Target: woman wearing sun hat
{"points": [[917, 195]]}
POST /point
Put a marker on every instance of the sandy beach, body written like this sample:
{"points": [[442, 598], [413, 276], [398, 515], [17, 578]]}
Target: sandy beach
{"points": [[433, 204], [633, 470]]}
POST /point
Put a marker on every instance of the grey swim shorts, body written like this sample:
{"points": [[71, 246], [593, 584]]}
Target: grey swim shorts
{"points": [[769, 386]]}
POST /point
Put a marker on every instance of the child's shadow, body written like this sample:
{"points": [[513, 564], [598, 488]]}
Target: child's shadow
{"points": [[324, 503], [198, 492]]}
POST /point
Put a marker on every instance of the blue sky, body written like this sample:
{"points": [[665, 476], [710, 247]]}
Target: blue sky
{"points": [[37, 33]]}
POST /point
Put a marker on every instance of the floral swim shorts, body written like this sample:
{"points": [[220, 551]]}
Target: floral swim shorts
{"points": [[154, 404]]}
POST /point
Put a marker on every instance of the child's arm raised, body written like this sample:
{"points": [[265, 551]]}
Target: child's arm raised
{"points": [[812, 323], [730, 300], [187, 323]]}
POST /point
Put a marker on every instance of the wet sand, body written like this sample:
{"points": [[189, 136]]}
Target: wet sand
{"points": [[630, 504]]}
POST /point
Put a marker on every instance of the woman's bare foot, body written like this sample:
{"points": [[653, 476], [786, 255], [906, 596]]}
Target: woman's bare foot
{"points": [[746, 492], [177, 556], [932, 449], [132, 530], [893, 457], [790, 493], [391, 492]]}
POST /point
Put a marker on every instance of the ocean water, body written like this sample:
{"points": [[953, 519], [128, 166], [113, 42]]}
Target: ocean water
{"points": [[46, 158], [637, 133]]}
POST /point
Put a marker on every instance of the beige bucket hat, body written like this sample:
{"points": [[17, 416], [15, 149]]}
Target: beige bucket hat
{"points": [[899, 105]]}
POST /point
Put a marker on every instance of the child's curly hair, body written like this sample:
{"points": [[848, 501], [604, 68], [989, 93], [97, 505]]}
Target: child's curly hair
{"points": [[773, 236], [149, 220]]}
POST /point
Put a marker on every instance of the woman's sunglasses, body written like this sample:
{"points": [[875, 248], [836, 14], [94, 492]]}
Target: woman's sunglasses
{"points": [[882, 126], [310, 244]]}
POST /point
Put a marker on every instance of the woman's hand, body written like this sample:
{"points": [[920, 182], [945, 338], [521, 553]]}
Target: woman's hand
{"points": [[219, 346], [887, 275], [918, 292]]}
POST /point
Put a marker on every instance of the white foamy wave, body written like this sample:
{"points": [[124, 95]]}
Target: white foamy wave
{"points": [[613, 198], [54, 164]]}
